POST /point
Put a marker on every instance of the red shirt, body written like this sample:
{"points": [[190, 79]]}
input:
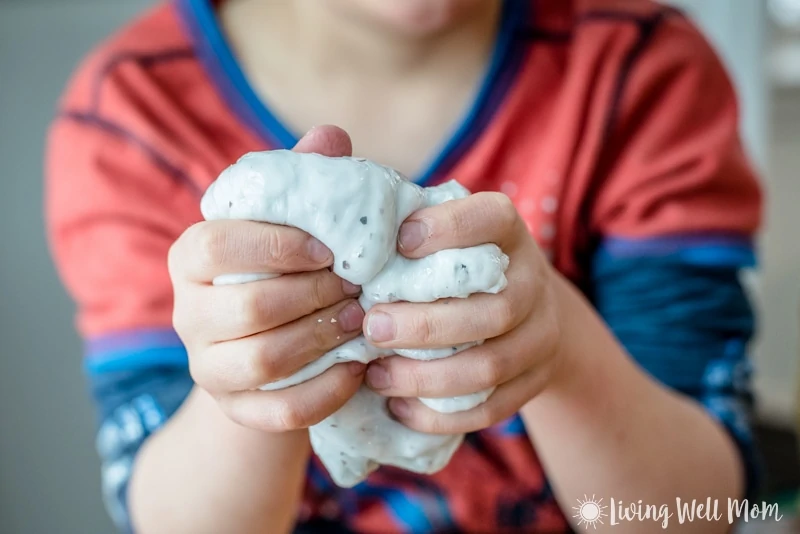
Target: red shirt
{"points": [[603, 120]]}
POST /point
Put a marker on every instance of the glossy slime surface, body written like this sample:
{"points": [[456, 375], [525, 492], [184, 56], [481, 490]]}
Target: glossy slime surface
{"points": [[355, 207]]}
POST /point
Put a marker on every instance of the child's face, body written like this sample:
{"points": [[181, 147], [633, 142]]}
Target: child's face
{"points": [[412, 17]]}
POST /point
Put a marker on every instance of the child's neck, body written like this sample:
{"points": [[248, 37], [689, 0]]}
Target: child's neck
{"points": [[399, 96], [329, 39]]}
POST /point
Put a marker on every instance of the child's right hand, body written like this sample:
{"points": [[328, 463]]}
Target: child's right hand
{"points": [[240, 337]]}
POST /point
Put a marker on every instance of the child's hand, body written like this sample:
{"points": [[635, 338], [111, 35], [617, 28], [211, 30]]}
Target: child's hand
{"points": [[520, 324], [240, 337]]}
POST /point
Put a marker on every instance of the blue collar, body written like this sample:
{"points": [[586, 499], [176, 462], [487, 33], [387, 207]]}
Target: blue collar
{"points": [[227, 76]]}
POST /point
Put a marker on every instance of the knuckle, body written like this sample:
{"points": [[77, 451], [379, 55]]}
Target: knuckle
{"points": [[552, 334], [174, 258], [320, 337], [188, 313], [208, 244], [262, 366], [548, 330], [434, 423], [180, 319], [488, 370], [457, 221], [499, 202], [276, 245], [425, 328], [187, 321], [288, 415], [252, 306], [200, 372], [504, 210], [229, 407], [318, 293], [486, 415], [245, 309], [505, 314], [421, 382], [241, 411], [191, 247]]}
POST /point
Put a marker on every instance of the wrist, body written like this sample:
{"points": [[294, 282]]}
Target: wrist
{"points": [[594, 373], [247, 480], [206, 414], [588, 358], [571, 316]]}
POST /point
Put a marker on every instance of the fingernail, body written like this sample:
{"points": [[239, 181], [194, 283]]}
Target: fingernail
{"points": [[380, 327], [317, 251], [349, 288], [400, 408], [356, 368], [351, 317], [412, 234], [378, 377]]}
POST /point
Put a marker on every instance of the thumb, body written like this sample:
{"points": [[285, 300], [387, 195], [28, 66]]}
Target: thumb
{"points": [[326, 140]]}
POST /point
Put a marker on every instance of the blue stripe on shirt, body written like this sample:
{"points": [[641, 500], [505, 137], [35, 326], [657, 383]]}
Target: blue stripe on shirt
{"points": [[133, 349], [131, 406], [709, 249], [679, 308]]}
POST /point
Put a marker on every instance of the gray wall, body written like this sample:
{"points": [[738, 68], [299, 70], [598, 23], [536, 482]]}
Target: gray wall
{"points": [[771, 128], [49, 482]]}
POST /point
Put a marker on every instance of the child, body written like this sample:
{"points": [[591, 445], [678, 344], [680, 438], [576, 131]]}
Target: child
{"points": [[603, 135]]}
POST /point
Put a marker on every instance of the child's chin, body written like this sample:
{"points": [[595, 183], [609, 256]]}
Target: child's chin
{"points": [[421, 17]]}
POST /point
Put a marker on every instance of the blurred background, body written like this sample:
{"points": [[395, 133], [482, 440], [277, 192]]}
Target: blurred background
{"points": [[49, 479]]}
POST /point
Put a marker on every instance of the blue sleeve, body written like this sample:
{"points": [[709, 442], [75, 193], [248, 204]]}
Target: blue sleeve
{"points": [[135, 394], [682, 312], [132, 405]]}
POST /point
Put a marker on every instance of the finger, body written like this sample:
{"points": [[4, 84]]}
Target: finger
{"points": [[442, 323], [268, 356], [502, 404], [211, 248], [223, 313], [475, 220], [202, 248], [495, 362], [296, 407], [452, 321], [327, 140]]}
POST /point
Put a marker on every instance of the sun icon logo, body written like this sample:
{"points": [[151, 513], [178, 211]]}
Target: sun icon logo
{"points": [[590, 512]]}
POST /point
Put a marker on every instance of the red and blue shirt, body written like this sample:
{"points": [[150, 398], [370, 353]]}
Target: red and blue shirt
{"points": [[612, 126]]}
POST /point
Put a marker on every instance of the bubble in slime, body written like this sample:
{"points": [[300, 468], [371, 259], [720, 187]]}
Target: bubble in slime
{"points": [[355, 207]]}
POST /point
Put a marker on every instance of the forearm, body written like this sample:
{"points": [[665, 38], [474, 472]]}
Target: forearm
{"points": [[203, 473], [604, 427]]}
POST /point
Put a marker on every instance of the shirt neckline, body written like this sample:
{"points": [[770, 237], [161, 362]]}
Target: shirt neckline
{"points": [[215, 54]]}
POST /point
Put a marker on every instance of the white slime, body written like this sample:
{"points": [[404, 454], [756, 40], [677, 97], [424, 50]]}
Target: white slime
{"points": [[355, 207]]}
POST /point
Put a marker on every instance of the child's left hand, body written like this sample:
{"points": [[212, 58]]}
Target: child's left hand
{"points": [[521, 324]]}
